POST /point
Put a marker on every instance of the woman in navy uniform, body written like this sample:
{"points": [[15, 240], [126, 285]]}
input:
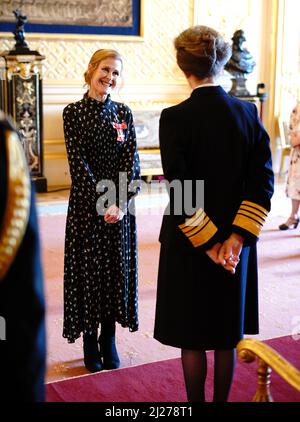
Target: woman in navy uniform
{"points": [[207, 281], [22, 307]]}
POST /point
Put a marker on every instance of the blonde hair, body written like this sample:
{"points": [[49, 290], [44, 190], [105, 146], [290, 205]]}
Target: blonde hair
{"points": [[201, 51], [96, 58]]}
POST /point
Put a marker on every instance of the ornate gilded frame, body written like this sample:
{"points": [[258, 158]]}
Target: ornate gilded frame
{"points": [[138, 18]]}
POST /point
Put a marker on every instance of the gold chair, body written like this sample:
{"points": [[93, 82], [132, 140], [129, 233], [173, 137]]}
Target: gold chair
{"points": [[285, 146], [249, 349]]}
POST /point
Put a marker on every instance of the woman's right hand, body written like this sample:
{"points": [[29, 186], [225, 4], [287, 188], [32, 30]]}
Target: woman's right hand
{"points": [[113, 214], [213, 254]]}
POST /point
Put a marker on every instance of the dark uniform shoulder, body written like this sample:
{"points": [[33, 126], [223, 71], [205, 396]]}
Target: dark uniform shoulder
{"points": [[246, 106], [178, 108]]}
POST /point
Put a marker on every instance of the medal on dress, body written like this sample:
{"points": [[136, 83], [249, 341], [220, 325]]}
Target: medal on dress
{"points": [[119, 128]]}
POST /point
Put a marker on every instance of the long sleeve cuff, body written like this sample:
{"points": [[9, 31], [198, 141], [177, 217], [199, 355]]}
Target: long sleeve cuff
{"points": [[199, 229], [250, 218]]}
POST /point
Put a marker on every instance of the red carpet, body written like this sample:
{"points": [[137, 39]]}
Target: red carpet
{"points": [[163, 381], [279, 269]]}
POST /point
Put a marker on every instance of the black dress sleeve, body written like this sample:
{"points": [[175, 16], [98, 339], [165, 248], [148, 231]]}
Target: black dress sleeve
{"points": [[81, 174], [129, 166]]}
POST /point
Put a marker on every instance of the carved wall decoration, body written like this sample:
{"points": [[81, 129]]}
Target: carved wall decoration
{"points": [[25, 97]]}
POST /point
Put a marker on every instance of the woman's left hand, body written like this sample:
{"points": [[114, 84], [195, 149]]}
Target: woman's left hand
{"points": [[113, 215]]}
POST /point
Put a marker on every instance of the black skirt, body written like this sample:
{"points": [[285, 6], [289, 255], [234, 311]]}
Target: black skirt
{"points": [[201, 306]]}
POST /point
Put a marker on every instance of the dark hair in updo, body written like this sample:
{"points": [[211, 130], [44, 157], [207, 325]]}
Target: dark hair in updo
{"points": [[201, 51]]}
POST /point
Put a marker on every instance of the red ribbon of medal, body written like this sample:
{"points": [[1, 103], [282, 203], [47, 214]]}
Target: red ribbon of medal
{"points": [[119, 128]]}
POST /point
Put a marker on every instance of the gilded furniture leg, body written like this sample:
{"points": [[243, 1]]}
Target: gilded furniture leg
{"points": [[263, 383], [249, 349]]}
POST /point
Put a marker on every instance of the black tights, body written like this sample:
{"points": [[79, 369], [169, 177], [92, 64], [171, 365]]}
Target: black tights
{"points": [[108, 327], [194, 365]]}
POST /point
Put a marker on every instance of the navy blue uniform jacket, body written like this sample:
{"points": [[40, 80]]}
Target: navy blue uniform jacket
{"points": [[219, 139], [22, 307]]}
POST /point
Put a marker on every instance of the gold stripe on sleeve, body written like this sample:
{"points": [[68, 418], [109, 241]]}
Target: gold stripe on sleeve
{"points": [[199, 229], [257, 207], [193, 221], [16, 213], [250, 217], [204, 234]]}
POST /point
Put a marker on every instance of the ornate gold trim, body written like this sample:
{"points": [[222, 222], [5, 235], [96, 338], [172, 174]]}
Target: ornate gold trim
{"points": [[78, 37], [249, 349], [196, 220], [247, 224], [204, 235], [18, 202], [251, 217], [257, 207], [198, 228]]}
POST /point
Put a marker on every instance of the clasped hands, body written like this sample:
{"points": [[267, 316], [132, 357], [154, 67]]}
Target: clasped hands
{"points": [[113, 214], [227, 253]]}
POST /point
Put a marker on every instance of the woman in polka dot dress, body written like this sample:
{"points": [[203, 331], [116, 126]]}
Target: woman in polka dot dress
{"points": [[100, 277]]}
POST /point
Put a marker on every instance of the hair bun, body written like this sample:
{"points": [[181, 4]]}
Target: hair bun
{"points": [[202, 51]]}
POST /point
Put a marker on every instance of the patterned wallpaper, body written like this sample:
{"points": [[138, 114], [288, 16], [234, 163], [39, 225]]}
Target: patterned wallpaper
{"points": [[145, 62], [231, 15], [152, 79]]}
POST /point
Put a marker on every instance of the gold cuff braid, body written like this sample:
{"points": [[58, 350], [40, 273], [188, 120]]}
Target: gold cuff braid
{"points": [[199, 229], [16, 213]]}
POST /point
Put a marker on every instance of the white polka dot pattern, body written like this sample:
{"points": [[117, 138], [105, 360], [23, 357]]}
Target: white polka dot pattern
{"points": [[100, 271]]}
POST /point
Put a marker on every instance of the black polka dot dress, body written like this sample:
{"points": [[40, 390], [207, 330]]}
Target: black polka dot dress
{"points": [[100, 267]]}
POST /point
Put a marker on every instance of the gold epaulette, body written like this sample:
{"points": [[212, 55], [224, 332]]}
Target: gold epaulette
{"points": [[199, 229], [251, 217], [16, 212]]}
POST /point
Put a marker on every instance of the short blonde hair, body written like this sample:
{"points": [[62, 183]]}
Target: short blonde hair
{"points": [[201, 51], [96, 58]]}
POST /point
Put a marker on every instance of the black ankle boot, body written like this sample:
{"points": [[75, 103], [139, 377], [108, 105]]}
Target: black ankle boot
{"points": [[108, 351], [92, 359]]}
